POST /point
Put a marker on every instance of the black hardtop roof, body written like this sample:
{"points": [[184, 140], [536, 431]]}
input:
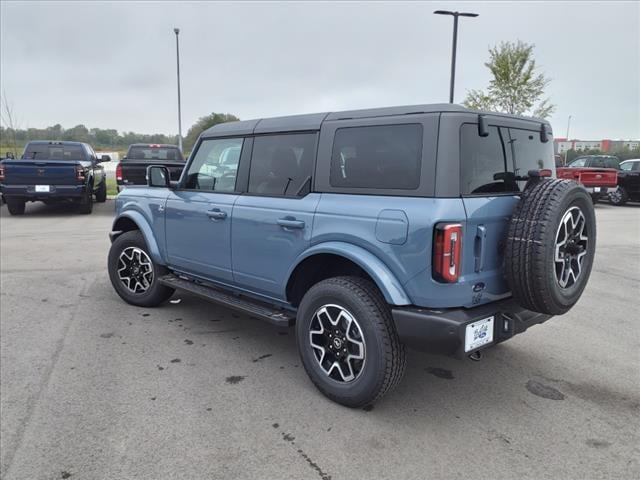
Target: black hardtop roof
{"points": [[313, 121]]}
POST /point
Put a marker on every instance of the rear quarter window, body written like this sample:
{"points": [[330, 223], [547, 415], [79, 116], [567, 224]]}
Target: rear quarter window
{"points": [[377, 157]]}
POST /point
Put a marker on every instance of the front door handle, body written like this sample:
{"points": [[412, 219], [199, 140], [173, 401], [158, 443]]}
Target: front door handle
{"points": [[216, 214], [290, 222]]}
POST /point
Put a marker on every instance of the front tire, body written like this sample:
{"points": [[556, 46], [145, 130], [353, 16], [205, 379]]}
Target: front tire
{"points": [[15, 205], [133, 274], [347, 341]]}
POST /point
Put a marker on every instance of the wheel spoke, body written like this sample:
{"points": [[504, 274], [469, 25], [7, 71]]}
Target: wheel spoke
{"points": [[571, 246]]}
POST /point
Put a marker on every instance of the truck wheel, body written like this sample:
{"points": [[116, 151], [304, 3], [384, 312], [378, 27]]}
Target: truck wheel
{"points": [[86, 203], [619, 196], [347, 341], [133, 274], [15, 205], [550, 246], [101, 194]]}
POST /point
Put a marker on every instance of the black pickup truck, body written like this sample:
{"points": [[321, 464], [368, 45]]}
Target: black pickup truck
{"points": [[132, 169], [53, 172]]}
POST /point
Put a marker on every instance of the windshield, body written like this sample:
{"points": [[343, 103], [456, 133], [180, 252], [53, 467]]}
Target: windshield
{"points": [[152, 152], [53, 152]]}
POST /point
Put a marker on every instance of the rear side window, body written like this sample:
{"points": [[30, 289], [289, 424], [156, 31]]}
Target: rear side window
{"points": [[281, 165], [215, 165], [483, 162], [382, 157], [499, 162], [54, 152], [170, 154]]}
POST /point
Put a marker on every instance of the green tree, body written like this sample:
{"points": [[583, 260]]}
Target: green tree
{"points": [[204, 123], [516, 87]]}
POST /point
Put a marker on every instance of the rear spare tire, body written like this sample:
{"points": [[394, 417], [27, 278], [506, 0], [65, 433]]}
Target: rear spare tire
{"points": [[551, 246]]}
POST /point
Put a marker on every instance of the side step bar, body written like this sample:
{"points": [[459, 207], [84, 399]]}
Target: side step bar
{"points": [[263, 311]]}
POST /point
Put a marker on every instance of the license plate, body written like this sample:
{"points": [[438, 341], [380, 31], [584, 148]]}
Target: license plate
{"points": [[42, 188], [478, 333], [596, 189]]}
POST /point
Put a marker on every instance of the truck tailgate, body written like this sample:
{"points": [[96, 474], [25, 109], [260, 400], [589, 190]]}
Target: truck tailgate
{"points": [[135, 173], [590, 177], [49, 172]]}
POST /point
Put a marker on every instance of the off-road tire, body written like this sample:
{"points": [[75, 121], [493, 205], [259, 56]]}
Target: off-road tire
{"points": [[385, 358], [15, 205], [157, 293], [101, 194], [86, 203], [619, 197], [530, 264]]}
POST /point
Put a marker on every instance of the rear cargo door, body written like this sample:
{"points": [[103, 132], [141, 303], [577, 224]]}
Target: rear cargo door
{"points": [[491, 171]]}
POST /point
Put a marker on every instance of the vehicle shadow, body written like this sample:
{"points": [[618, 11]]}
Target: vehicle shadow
{"points": [[39, 209]]}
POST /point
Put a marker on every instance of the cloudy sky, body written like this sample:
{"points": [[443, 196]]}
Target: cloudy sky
{"points": [[112, 64]]}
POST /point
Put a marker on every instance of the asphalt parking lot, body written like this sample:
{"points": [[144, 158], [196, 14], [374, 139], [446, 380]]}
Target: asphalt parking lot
{"points": [[93, 388]]}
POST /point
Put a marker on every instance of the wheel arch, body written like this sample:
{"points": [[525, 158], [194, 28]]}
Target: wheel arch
{"points": [[337, 258], [132, 220]]}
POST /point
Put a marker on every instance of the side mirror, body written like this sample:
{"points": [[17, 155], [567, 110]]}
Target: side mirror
{"points": [[10, 155], [158, 176], [105, 158]]}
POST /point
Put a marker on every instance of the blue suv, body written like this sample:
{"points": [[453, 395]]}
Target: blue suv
{"points": [[431, 226]]}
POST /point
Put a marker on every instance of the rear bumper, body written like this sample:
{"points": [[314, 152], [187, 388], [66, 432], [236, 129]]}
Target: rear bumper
{"points": [[28, 192], [443, 331]]}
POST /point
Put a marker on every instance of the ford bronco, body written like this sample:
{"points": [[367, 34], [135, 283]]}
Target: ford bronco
{"points": [[431, 226]]}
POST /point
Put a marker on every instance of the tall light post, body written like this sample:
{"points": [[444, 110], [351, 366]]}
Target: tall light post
{"points": [[177, 32], [455, 16], [566, 153]]}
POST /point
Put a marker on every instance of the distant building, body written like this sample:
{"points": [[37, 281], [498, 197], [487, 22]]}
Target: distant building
{"points": [[561, 145]]}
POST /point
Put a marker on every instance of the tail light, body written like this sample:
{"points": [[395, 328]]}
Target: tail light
{"points": [[1, 173], [80, 173], [119, 172], [447, 247]]}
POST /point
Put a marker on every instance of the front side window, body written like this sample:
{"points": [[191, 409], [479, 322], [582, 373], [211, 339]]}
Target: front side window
{"points": [[382, 157], [215, 165], [281, 165]]}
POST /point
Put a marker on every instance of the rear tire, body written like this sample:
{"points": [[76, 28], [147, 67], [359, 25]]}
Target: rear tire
{"points": [[363, 327], [86, 203], [101, 194], [551, 246], [127, 252], [15, 205], [619, 196]]}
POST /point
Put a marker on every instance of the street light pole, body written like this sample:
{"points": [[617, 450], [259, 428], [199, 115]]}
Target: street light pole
{"points": [[454, 47], [566, 153], [177, 32]]}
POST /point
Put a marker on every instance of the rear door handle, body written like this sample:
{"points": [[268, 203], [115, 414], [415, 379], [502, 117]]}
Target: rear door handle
{"points": [[290, 222], [479, 247], [216, 214]]}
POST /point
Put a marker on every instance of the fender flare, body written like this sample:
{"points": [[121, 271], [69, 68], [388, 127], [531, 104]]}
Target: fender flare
{"points": [[385, 280], [143, 225]]}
